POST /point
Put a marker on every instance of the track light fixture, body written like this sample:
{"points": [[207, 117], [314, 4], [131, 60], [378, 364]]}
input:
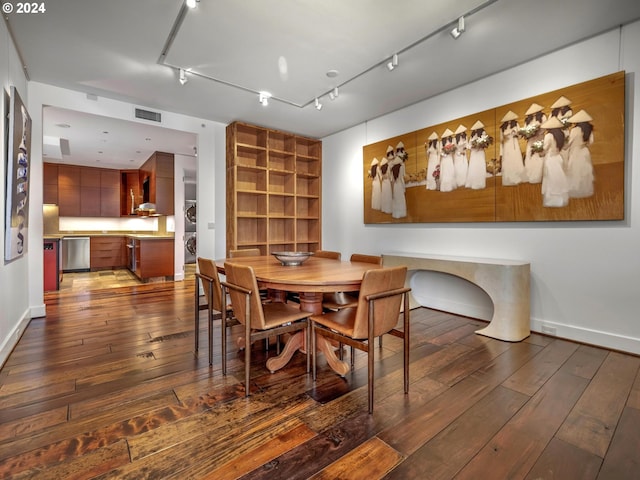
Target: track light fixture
{"points": [[393, 63], [263, 98], [192, 3], [183, 77], [318, 104], [457, 31], [333, 94]]}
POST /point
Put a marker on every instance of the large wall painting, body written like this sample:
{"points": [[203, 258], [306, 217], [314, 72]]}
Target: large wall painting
{"points": [[17, 180], [554, 156]]}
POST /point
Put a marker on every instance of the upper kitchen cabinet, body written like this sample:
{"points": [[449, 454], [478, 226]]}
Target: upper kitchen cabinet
{"points": [[69, 190], [109, 193], [156, 182], [82, 191], [50, 184]]}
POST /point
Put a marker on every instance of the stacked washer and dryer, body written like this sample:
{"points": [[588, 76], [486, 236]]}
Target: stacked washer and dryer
{"points": [[189, 223]]}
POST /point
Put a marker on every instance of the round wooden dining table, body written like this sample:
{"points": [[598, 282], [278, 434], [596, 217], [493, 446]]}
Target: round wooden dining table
{"points": [[310, 280]]}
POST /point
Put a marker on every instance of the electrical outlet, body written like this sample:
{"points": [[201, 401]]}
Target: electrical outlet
{"points": [[546, 329]]}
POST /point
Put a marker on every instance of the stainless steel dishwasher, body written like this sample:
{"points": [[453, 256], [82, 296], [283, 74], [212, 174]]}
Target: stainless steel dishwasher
{"points": [[76, 254]]}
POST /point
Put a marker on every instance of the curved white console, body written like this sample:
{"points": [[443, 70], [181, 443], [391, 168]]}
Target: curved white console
{"points": [[505, 281]]}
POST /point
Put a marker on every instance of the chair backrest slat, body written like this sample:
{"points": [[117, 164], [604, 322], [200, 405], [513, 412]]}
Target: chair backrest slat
{"points": [[386, 310], [360, 257], [244, 277], [207, 268], [327, 254]]}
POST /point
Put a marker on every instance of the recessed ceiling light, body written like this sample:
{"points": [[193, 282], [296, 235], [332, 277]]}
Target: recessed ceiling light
{"points": [[148, 139], [63, 125], [105, 132], [332, 73]]}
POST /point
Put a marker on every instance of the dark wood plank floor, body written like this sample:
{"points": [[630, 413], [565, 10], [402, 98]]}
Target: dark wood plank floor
{"points": [[108, 386]]}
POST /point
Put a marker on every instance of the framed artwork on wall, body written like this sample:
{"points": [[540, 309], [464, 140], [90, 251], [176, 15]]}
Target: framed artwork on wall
{"points": [[554, 156], [17, 178]]}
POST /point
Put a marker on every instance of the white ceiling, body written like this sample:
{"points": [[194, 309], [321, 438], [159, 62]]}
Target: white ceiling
{"points": [[131, 50]]}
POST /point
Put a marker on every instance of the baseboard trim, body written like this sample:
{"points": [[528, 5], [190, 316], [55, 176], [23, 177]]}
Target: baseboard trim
{"points": [[12, 339]]}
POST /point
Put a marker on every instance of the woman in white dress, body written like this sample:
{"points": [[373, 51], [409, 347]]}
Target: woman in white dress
{"points": [[555, 187], [447, 170], [376, 187], [399, 203], [433, 160], [580, 168], [512, 166], [386, 195], [534, 135], [561, 109], [477, 174], [460, 162]]}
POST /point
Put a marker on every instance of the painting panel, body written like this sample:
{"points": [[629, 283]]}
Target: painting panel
{"points": [[17, 179], [555, 156]]}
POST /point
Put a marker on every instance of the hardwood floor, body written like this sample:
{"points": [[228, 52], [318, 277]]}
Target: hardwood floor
{"points": [[108, 386]]}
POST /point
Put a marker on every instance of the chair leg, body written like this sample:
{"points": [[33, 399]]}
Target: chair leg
{"points": [[197, 316], [210, 331], [370, 375], [223, 331], [353, 357], [314, 349], [247, 348]]}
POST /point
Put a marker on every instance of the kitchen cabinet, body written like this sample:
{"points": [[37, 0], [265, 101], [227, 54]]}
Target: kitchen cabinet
{"points": [[82, 191], [89, 192], [157, 182], [109, 193], [154, 257], [273, 190], [69, 190], [108, 252], [50, 183], [130, 185]]}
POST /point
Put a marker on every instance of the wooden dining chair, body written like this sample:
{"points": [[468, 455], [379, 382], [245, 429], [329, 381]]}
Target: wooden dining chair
{"points": [[327, 254], [260, 320], [340, 300], [215, 306], [382, 294]]}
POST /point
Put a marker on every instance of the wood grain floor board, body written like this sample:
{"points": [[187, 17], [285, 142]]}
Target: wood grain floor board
{"points": [[108, 386], [591, 424]]}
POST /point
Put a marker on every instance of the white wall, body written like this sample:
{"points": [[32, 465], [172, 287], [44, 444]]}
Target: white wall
{"points": [[585, 276], [14, 276]]}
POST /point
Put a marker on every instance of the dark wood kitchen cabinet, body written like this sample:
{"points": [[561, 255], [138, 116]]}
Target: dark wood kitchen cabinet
{"points": [[108, 252], [50, 183], [154, 257], [109, 193], [82, 191], [69, 190], [156, 180]]}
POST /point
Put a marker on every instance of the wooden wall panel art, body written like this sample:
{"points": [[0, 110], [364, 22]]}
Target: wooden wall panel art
{"points": [[551, 157]]}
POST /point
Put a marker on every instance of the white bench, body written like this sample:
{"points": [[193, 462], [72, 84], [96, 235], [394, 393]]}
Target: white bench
{"points": [[505, 281]]}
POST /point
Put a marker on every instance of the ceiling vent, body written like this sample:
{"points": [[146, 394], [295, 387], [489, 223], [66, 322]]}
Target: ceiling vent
{"points": [[149, 115]]}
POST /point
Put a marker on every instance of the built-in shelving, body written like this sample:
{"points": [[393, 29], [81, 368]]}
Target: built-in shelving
{"points": [[273, 190]]}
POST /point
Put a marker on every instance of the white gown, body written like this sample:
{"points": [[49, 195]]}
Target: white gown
{"points": [[533, 160], [460, 162], [477, 174], [555, 188], [447, 172], [579, 168], [376, 189], [512, 166], [399, 202], [386, 197], [433, 160]]}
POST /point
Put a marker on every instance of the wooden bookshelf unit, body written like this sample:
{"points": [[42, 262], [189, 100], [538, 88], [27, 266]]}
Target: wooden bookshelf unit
{"points": [[273, 190]]}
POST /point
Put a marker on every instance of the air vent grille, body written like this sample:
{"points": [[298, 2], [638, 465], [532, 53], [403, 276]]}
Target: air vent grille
{"points": [[149, 115]]}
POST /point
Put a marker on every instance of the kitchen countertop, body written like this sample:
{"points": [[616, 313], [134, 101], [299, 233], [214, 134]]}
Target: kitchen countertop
{"points": [[145, 236]]}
